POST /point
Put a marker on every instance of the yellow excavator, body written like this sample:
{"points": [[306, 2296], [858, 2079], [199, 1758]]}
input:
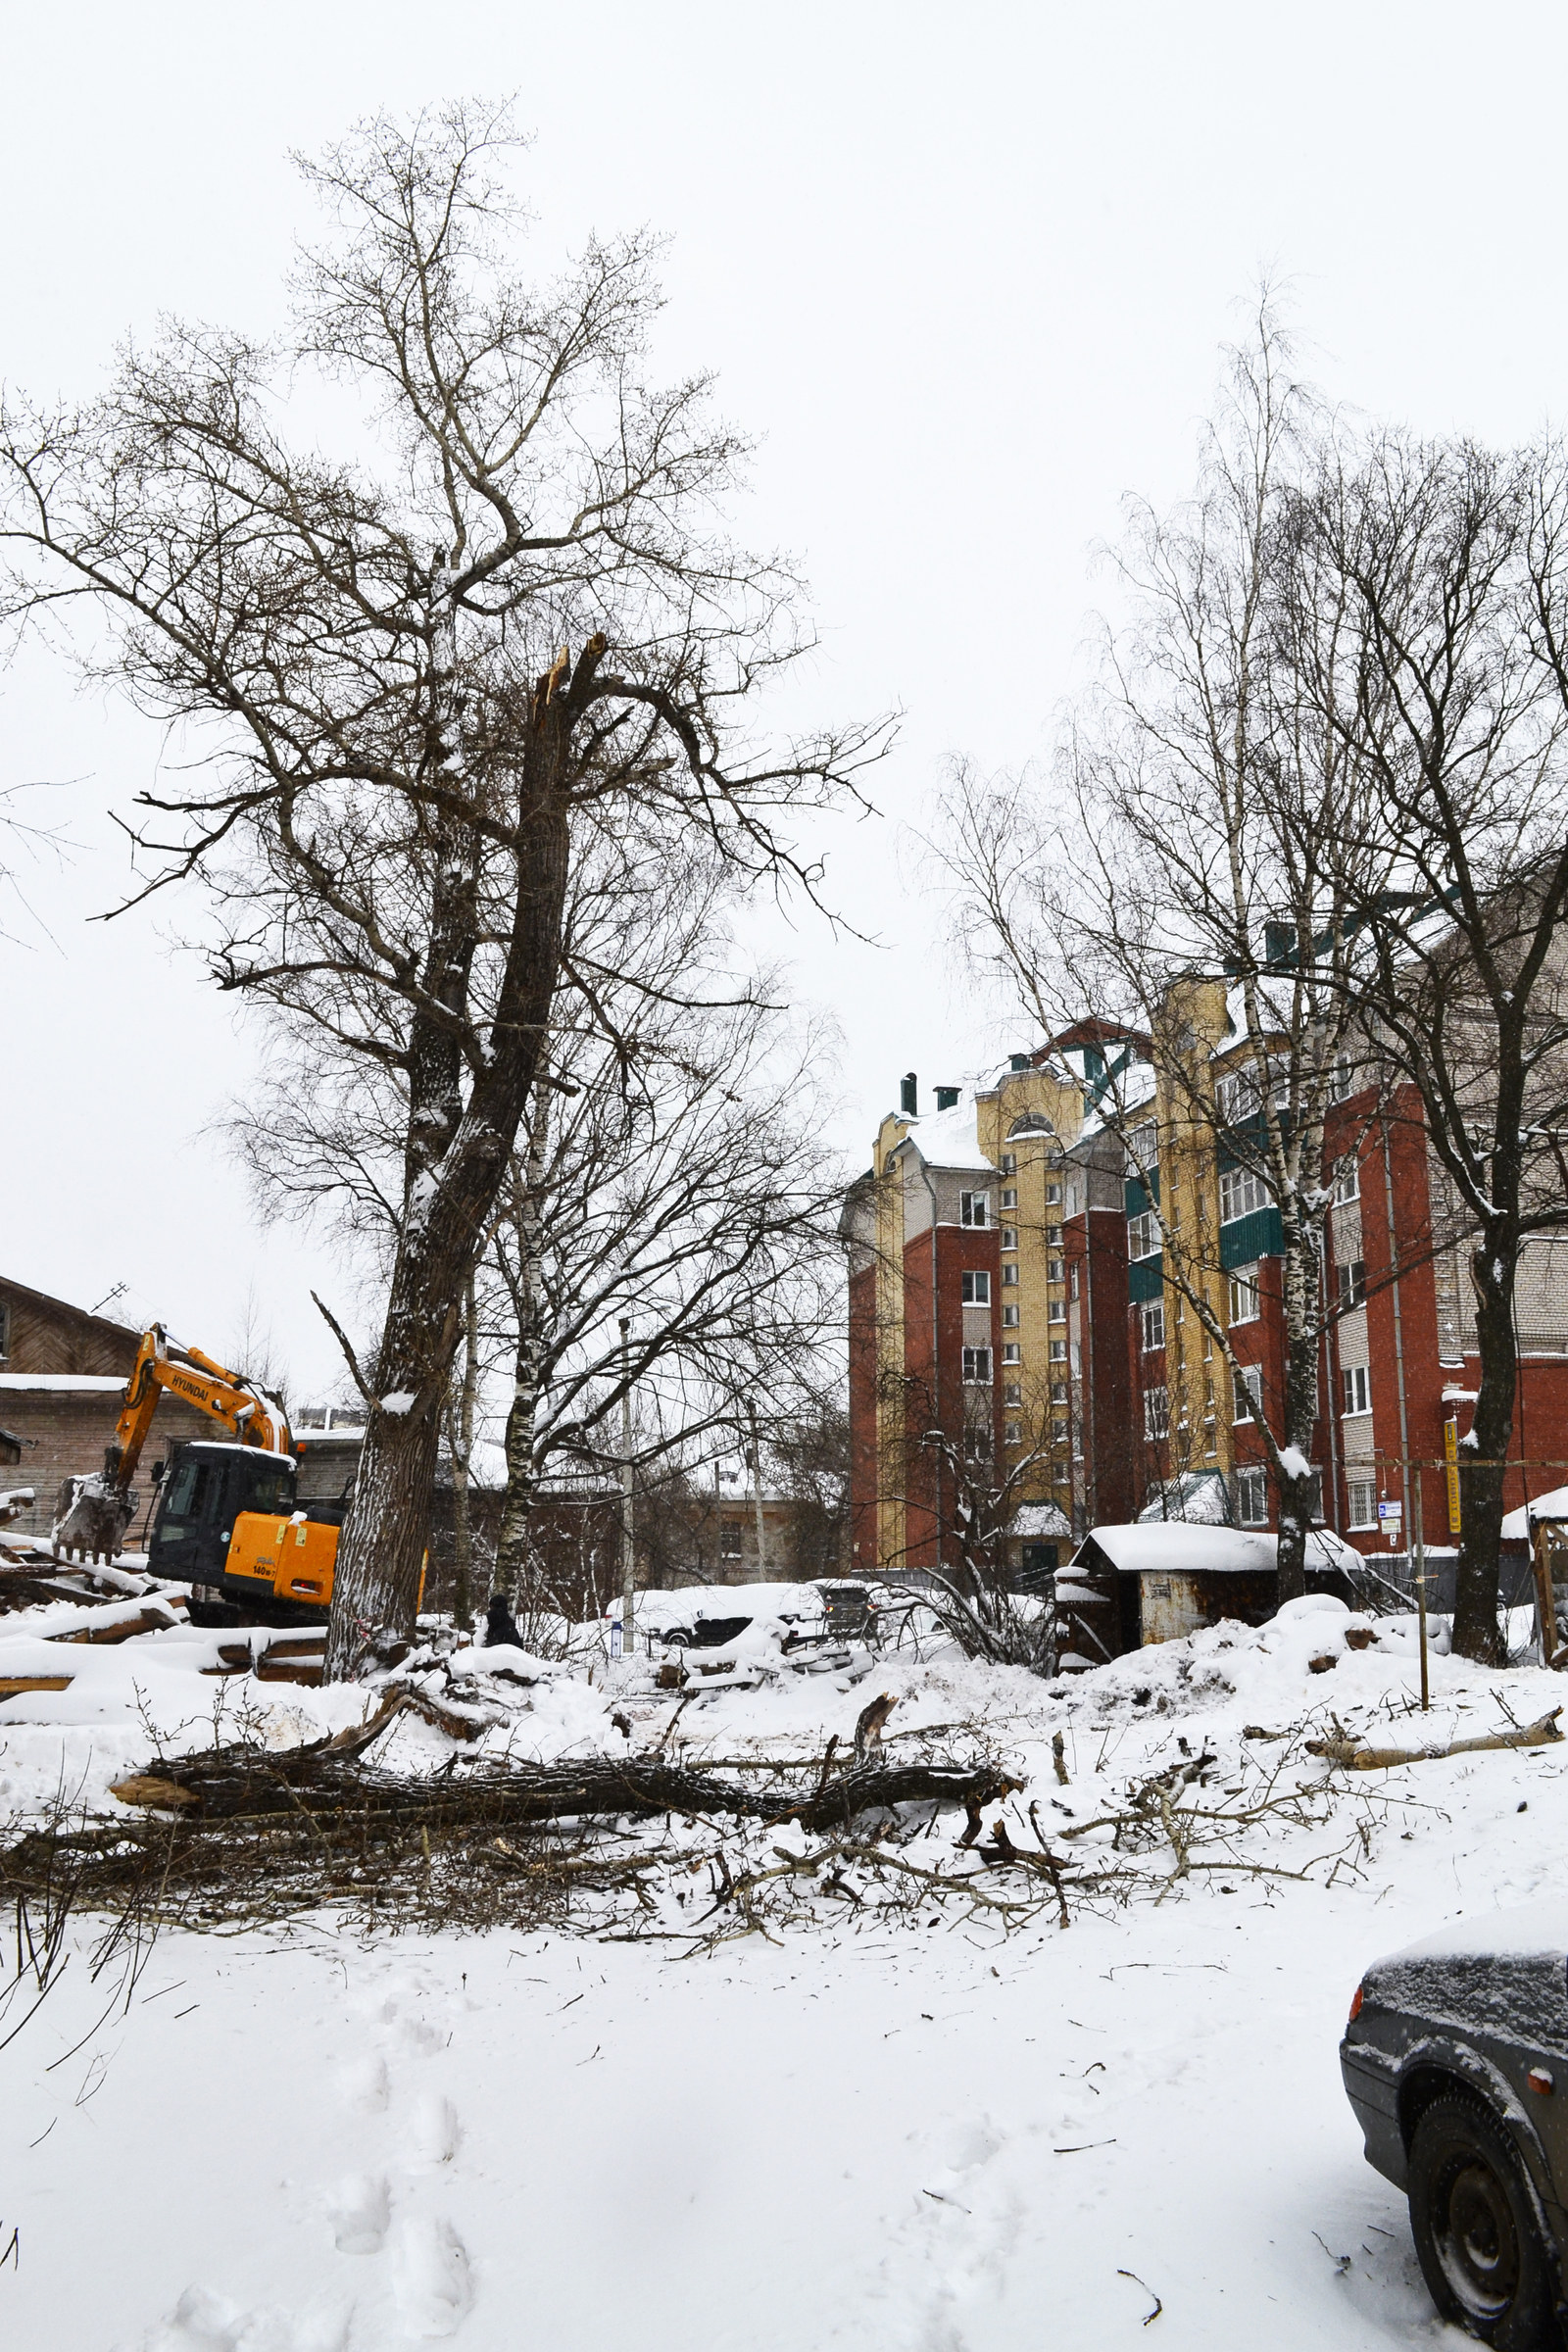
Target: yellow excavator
{"points": [[226, 1520]]}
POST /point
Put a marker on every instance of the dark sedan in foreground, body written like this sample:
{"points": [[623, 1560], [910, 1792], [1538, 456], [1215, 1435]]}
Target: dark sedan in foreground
{"points": [[1456, 2063]]}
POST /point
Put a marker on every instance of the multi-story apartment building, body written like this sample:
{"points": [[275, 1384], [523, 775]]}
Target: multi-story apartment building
{"points": [[976, 1249], [1011, 1308]]}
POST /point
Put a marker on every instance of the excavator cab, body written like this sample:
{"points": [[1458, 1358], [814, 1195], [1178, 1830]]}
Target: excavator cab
{"points": [[204, 1491]]}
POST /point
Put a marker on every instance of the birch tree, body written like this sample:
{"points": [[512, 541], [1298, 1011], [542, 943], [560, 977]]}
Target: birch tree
{"points": [[403, 679]]}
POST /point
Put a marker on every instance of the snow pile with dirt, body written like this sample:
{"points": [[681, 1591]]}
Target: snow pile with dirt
{"points": [[932, 2127]]}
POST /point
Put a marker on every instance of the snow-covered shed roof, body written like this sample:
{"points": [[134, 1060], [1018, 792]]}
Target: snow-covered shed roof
{"points": [[64, 1384], [1516, 1524], [1033, 1520], [1160, 1547]]}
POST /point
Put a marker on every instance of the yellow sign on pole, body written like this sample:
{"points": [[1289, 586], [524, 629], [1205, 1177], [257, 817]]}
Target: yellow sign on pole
{"points": [[1451, 1448]]}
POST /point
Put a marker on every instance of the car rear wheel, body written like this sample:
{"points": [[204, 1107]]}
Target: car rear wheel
{"points": [[1475, 2228]]}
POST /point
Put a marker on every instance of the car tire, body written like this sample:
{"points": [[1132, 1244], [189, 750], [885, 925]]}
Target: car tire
{"points": [[1476, 2232]]}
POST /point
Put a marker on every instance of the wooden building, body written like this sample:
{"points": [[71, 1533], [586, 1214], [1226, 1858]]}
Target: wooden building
{"points": [[63, 1374]]}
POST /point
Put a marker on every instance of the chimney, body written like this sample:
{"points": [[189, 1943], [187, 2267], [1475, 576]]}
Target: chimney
{"points": [[909, 1107], [946, 1097]]}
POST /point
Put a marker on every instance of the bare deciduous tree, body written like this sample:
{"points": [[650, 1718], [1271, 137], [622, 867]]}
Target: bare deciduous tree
{"points": [[1450, 563], [1192, 883], [410, 681]]}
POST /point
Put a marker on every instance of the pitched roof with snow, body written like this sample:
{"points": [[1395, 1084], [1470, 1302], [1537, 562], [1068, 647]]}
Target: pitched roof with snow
{"points": [[950, 1139], [1032, 1520]]}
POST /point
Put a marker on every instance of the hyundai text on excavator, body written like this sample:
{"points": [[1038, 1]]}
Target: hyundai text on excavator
{"points": [[226, 1520]]}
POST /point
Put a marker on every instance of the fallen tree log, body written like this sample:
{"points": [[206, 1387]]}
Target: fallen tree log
{"points": [[320, 1780], [155, 1617], [1357, 1758]]}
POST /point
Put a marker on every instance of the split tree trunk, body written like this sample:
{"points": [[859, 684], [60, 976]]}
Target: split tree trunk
{"points": [[457, 1160]]}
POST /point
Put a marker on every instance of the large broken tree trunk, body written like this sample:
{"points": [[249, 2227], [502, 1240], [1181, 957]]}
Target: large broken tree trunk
{"points": [[456, 1163], [517, 1565]]}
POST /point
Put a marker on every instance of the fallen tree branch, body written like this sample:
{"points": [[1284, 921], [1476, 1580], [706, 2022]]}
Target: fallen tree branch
{"points": [[1356, 1758]]}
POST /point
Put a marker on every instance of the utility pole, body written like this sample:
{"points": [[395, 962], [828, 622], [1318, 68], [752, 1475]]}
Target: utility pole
{"points": [[756, 1496], [628, 1572]]}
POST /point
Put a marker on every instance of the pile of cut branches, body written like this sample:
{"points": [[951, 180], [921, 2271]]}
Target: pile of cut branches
{"points": [[239, 1835]]}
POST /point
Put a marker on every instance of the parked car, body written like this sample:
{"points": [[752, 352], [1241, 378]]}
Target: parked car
{"points": [[1456, 2060]]}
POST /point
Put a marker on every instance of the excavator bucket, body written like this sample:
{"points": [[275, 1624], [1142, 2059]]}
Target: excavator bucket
{"points": [[92, 1517]]}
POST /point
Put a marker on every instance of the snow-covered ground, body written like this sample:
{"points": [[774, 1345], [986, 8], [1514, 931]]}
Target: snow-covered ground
{"points": [[936, 2136]]}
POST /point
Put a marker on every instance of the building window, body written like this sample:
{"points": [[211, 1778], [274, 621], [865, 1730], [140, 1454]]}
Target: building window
{"points": [[1009, 1318], [1142, 1235], [1053, 1269], [1058, 1351], [1009, 1237], [1060, 1433], [1053, 1237], [1156, 1412], [729, 1538], [1252, 1498], [1008, 1163], [1071, 1202], [977, 1366], [1012, 1394], [1347, 1178], [1364, 1498], [1233, 1097], [1011, 1353], [976, 1289], [1052, 1195], [1155, 1324], [1244, 1294], [1058, 1392], [1352, 1284], [975, 1208], [1057, 1312], [1357, 1381], [977, 1441], [1072, 1282], [1010, 1278], [1009, 1198], [1342, 1079], [1142, 1142], [1012, 1433], [1241, 1191], [1247, 1386]]}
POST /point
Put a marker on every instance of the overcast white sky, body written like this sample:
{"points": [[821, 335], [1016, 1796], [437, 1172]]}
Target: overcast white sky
{"points": [[964, 271]]}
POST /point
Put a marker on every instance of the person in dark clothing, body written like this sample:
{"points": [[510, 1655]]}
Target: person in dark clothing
{"points": [[500, 1627]]}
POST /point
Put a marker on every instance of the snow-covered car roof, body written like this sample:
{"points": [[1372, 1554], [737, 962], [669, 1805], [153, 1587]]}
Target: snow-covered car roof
{"points": [[729, 1600]]}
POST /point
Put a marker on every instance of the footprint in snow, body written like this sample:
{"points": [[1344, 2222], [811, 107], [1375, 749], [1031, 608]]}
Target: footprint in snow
{"points": [[361, 2211], [434, 2135], [435, 2279]]}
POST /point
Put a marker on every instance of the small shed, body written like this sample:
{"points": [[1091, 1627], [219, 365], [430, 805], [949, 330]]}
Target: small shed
{"points": [[1039, 1536], [1156, 1581]]}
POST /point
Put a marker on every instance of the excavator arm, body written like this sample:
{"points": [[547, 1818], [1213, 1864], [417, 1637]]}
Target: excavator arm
{"points": [[94, 1512], [162, 1363]]}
